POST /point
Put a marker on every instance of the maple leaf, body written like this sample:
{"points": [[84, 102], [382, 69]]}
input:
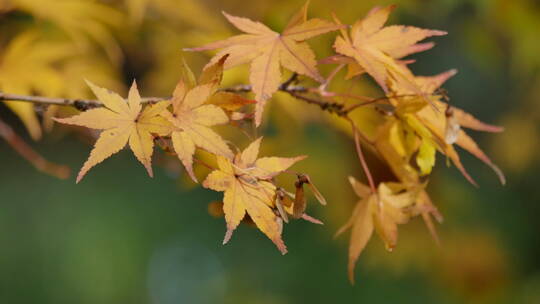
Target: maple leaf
{"points": [[122, 123], [375, 48], [246, 183], [84, 21], [445, 124], [397, 142], [400, 140], [268, 51], [26, 52], [392, 204], [192, 116]]}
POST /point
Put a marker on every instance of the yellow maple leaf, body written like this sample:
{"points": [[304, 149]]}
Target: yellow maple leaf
{"points": [[444, 125], [375, 48], [27, 52], [192, 116], [246, 183], [392, 204], [84, 21], [397, 142], [268, 50], [122, 123]]}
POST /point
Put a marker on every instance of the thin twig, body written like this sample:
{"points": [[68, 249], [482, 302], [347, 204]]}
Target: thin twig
{"points": [[291, 80], [296, 91], [40, 163], [285, 86], [246, 88], [329, 106], [81, 104], [344, 95], [375, 100], [324, 86]]}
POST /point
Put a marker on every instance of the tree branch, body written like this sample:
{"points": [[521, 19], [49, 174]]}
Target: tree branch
{"points": [[329, 106], [40, 163], [296, 91], [85, 104], [80, 104]]}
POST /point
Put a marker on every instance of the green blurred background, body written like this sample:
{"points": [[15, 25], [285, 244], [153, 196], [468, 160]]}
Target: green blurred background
{"points": [[121, 237]]}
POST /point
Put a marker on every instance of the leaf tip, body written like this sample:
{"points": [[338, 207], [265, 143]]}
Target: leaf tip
{"points": [[79, 178], [228, 236], [149, 170], [301, 157], [311, 219], [438, 33], [90, 84], [499, 173], [350, 269], [227, 15], [191, 173], [223, 58], [281, 247]]}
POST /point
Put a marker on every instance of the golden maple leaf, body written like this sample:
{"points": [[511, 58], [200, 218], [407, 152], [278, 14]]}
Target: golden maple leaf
{"points": [[192, 116], [248, 189], [392, 204], [26, 52], [122, 123], [84, 21], [444, 125], [268, 50], [375, 48]]}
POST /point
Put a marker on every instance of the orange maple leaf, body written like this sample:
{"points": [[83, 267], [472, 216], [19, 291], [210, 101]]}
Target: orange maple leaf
{"points": [[192, 116], [375, 48], [268, 50], [247, 184], [122, 123]]}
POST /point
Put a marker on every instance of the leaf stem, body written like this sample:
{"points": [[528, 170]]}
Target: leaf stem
{"points": [[361, 157]]}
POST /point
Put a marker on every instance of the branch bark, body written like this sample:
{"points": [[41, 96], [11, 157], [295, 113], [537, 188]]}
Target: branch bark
{"points": [[296, 91], [80, 104]]}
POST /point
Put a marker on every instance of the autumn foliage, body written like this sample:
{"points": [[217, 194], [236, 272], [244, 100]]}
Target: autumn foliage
{"points": [[416, 120]]}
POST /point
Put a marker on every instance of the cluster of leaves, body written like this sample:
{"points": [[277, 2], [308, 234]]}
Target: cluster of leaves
{"points": [[184, 123], [416, 121]]}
